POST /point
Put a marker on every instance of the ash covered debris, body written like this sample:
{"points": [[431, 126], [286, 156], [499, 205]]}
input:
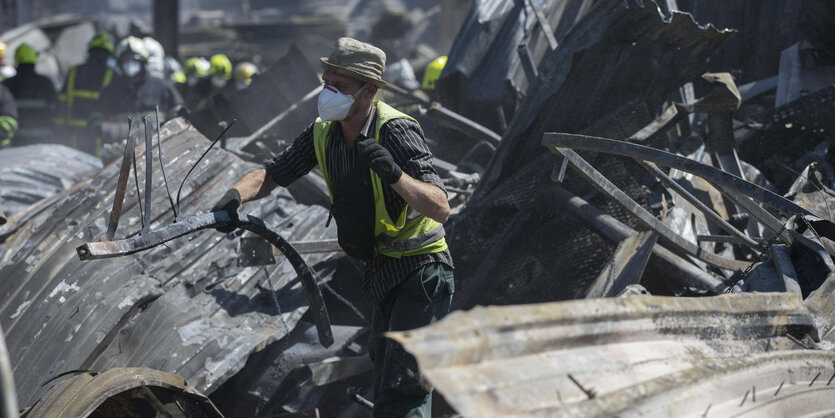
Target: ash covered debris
{"points": [[677, 155], [690, 162], [184, 308]]}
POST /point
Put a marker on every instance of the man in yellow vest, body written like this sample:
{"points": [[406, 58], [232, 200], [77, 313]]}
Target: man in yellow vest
{"points": [[82, 90], [389, 205]]}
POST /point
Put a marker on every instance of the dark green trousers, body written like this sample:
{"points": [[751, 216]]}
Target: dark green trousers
{"points": [[422, 299]]}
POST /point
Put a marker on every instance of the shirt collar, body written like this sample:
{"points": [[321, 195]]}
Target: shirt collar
{"points": [[368, 129]]}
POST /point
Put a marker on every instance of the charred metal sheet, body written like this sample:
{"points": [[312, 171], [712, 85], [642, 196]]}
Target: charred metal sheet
{"points": [[597, 81], [184, 308], [123, 392], [809, 190], [35, 172], [660, 356], [599, 67], [820, 303], [149, 239], [276, 379], [484, 70], [608, 188], [787, 133], [625, 267]]}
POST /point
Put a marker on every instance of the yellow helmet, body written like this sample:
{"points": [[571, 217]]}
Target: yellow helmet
{"points": [[197, 67], [25, 54], [178, 76], [244, 72], [102, 40], [132, 45], [220, 66], [433, 72]]}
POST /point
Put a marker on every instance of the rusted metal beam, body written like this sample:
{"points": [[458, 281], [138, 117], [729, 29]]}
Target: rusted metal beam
{"points": [[756, 211], [610, 146], [122, 184], [668, 235], [109, 249], [149, 163], [625, 267], [727, 239], [785, 268], [527, 62], [673, 265], [672, 115], [543, 23], [707, 211], [318, 246]]}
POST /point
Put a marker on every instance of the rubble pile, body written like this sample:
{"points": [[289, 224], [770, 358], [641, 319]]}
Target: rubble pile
{"points": [[191, 307], [622, 71], [684, 161], [652, 182]]}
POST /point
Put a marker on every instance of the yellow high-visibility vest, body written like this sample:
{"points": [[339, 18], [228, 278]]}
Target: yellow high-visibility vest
{"points": [[393, 237]]}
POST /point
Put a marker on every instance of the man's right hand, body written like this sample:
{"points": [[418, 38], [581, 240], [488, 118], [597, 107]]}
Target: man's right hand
{"points": [[230, 202]]}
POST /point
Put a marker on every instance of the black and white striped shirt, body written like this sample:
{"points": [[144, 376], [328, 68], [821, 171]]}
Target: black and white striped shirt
{"points": [[404, 140]]}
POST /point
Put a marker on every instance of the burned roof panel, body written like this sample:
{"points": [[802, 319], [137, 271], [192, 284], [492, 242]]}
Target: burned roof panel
{"points": [[604, 77], [185, 307], [627, 356], [484, 70], [34, 172]]}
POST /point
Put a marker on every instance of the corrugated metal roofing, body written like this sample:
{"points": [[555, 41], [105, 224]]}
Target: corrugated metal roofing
{"points": [[34, 172], [184, 308], [635, 356]]}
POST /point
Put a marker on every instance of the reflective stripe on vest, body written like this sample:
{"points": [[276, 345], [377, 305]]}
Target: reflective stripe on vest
{"points": [[393, 238], [9, 126], [73, 93]]}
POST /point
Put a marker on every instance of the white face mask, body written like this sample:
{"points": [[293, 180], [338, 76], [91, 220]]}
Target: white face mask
{"points": [[131, 68], [334, 105], [240, 86], [192, 81], [218, 82]]}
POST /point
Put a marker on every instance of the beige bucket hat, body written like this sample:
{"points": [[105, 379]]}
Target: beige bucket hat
{"points": [[359, 60]]}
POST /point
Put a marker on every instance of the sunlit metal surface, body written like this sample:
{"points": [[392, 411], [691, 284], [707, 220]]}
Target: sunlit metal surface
{"points": [[641, 355], [185, 308]]}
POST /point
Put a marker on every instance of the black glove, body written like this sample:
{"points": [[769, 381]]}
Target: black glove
{"points": [[230, 202], [379, 159]]}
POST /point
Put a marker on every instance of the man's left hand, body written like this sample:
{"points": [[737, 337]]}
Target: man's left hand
{"points": [[379, 159]]}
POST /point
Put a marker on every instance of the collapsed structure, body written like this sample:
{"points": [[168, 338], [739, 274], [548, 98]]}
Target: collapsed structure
{"points": [[619, 149]]}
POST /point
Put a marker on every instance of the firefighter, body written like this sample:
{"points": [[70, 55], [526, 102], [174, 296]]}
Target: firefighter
{"points": [[82, 91], [8, 117], [433, 73], [34, 95], [196, 69], [220, 72], [243, 75], [135, 93]]}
